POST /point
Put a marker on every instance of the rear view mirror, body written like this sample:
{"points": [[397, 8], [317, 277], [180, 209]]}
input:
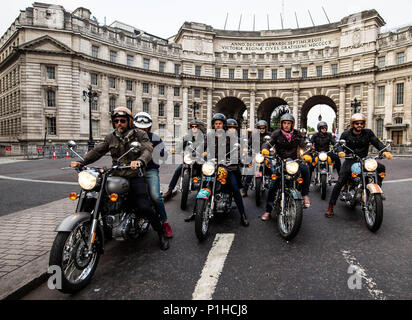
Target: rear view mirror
{"points": [[135, 145], [71, 144], [342, 142]]}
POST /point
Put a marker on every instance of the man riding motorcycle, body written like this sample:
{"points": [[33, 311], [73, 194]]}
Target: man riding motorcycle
{"points": [[287, 142], [322, 140], [118, 142], [357, 138]]}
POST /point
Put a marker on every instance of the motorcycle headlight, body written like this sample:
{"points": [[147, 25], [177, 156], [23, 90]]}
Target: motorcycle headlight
{"points": [[292, 167], [371, 164], [259, 158], [187, 159], [87, 180], [208, 168], [323, 156]]}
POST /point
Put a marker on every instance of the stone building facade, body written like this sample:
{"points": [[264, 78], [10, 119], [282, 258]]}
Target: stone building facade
{"points": [[49, 56]]}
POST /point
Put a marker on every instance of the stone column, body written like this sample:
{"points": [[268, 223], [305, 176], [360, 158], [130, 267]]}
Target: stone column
{"points": [[139, 101], [295, 107], [155, 108], [388, 106], [342, 98], [371, 105], [185, 110], [209, 109], [252, 110], [169, 110]]}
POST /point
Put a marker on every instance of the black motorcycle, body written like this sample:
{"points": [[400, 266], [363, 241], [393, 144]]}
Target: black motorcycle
{"points": [[263, 173], [103, 210], [322, 171], [191, 174], [363, 188], [214, 197]]}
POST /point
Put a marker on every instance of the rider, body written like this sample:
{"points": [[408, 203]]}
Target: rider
{"points": [[118, 143], [287, 141], [143, 120], [262, 126], [321, 141], [357, 138], [234, 178]]}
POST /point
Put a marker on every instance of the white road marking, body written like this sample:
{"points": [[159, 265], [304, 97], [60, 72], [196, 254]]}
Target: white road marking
{"points": [[370, 283], [206, 285], [39, 181], [399, 180]]}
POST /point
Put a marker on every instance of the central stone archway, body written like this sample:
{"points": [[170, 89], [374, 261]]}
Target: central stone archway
{"points": [[231, 107], [310, 103]]}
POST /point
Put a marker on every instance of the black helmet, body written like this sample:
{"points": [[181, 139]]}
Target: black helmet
{"points": [[261, 123], [122, 112], [322, 124], [219, 116], [194, 122], [287, 117], [232, 123]]}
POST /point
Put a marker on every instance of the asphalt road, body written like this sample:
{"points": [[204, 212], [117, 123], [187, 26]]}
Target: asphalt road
{"points": [[259, 263]]}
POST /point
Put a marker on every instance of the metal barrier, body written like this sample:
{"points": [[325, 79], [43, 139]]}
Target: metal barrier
{"points": [[48, 152]]}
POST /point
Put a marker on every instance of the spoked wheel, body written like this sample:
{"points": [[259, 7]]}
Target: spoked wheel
{"points": [[70, 253], [374, 212], [185, 189], [289, 223], [323, 186], [202, 210]]}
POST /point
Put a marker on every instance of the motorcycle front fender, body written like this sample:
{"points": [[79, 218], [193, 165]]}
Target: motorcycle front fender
{"points": [[374, 188], [295, 194], [203, 194]]}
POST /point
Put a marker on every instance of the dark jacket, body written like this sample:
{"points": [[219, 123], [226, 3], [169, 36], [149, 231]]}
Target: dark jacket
{"points": [[360, 143], [156, 141], [322, 141], [284, 148], [118, 144], [223, 146]]}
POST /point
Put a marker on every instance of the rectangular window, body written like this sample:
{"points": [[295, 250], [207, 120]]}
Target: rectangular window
{"points": [[381, 95], [129, 85], [379, 128], [162, 66], [95, 102], [51, 98], [260, 74], [146, 63], [50, 73], [161, 110], [245, 73], [382, 62], [399, 93], [130, 60], [177, 68], [400, 57], [95, 128], [161, 90], [162, 131], [176, 91], [304, 72], [356, 91], [95, 51], [288, 73], [334, 69], [129, 104], [93, 79], [176, 111], [145, 106], [112, 103], [177, 130], [145, 88], [231, 73], [197, 93], [217, 72], [197, 71], [318, 71], [51, 126], [113, 55], [112, 82], [274, 74]]}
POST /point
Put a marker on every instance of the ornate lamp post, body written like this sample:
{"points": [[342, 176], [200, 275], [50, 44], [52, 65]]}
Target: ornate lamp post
{"points": [[92, 97], [356, 106]]}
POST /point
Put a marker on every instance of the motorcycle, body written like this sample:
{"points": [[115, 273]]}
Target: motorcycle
{"points": [[322, 171], [103, 210], [214, 197], [191, 175], [363, 188]]}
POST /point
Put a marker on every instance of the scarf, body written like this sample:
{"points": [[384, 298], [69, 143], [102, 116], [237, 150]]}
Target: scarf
{"points": [[288, 135]]}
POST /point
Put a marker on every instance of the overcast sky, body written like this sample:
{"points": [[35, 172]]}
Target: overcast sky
{"points": [[164, 17]]}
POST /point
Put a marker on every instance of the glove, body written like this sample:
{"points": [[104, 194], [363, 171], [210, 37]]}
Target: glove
{"points": [[342, 154], [205, 154], [307, 158], [387, 155], [265, 152]]}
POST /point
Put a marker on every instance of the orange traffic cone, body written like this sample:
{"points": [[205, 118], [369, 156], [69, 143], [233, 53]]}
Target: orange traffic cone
{"points": [[54, 155], [67, 154]]}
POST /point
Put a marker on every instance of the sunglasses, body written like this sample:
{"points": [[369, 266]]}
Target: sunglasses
{"points": [[194, 127], [262, 128], [361, 123], [120, 120]]}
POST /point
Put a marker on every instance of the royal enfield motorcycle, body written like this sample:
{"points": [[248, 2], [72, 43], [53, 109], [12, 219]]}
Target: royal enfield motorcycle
{"points": [[322, 171], [103, 210], [363, 186], [191, 174], [215, 196]]}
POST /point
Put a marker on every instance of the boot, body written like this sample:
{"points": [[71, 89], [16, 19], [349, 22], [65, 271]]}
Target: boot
{"points": [[163, 241], [190, 218], [167, 195], [244, 193], [329, 212], [243, 220]]}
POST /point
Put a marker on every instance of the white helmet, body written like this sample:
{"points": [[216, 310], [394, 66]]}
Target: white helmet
{"points": [[142, 120]]}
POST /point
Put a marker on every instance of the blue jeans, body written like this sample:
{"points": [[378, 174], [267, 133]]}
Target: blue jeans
{"points": [[153, 183]]}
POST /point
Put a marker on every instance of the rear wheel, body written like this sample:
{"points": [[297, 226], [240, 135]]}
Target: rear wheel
{"points": [[289, 223], [185, 189], [202, 210], [374, 213]]}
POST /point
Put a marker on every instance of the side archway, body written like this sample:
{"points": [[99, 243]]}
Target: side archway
{"points": [[267, 107], [310, 103], [231, 107]]}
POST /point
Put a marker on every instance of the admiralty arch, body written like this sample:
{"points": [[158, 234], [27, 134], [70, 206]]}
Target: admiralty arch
{"points": [[50, 56]]}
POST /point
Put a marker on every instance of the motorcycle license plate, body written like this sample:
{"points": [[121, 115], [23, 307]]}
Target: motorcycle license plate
{"points": [[207, 178]]}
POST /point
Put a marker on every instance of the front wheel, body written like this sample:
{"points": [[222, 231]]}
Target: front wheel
{"points": [[374, 212], [185, 189], [290, 221], [323, 185], [69, 252], [202, 209], [258, 191]]}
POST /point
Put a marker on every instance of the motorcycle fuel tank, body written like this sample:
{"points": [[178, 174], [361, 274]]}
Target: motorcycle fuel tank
{"points": [[117, 185]]}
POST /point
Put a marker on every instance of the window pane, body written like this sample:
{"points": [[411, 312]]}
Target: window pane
{"points": [[161, 90], [129, 85], [161, 110], [51, 99], [112, 82], [146, 106], [129, 104], [197, 71], [95, 128], [381, 95], [112, 56], [95, 102], [245, 73], [274, 74], [379, 128], [51, 126], [146, 63], [95, 51], [381, 62], [334, 69], [177, 111], [145, 88], [288, 74], [304, 72], [50, 73], [260, 74], [231, 73], [93, 79], [112, 104], [161, 66], [162, 131], [129, 60], [197, 93], [217, 73], [400, 57], [399, 93], [318, 71], [177, 68], [176, 92]]}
